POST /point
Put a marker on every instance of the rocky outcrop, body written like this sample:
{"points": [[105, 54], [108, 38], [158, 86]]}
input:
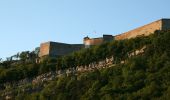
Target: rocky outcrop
{"points": [[137, 52], [70, 71]]}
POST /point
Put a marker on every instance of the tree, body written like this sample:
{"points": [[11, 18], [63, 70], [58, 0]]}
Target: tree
{"points": [[37, 50], [24, 55], [0, 60]]}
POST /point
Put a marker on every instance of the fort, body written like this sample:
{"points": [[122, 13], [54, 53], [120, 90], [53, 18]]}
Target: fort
{"points": [[162, 24], [54, 49], [97, 41]]}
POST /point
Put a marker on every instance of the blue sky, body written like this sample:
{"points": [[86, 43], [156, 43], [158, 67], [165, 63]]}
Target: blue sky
{"points": [[24, 24]]}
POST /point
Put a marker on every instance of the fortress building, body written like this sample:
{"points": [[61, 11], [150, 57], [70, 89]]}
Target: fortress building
{"points": [[162, 24], [60, 49], [96, 41], [54, 49]]}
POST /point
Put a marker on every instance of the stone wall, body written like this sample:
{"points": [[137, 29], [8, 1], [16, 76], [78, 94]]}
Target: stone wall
{"points": [[97, 41], [44, 49], [165, 24], [94, 41], [58, 49], [144, 30], [108, 38]]}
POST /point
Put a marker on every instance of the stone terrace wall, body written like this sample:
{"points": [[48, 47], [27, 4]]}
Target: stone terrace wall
{"points": [[144, 30]]}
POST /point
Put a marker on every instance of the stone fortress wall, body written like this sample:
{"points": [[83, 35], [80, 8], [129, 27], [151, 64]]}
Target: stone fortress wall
{"points": [[146, 30], [44, 49], [165, 24], [59, 49], [97, 41]]}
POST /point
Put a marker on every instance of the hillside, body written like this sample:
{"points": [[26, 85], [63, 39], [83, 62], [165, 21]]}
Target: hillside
{"points": [[139, 69]]}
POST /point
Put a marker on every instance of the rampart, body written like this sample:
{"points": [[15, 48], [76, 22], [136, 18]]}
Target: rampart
{"points": [[146, 30], [58, 49], [97, 41]]}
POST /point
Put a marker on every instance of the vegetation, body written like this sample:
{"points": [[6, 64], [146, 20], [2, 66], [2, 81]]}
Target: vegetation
{"points": [[26, 64], [143, 76]]}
